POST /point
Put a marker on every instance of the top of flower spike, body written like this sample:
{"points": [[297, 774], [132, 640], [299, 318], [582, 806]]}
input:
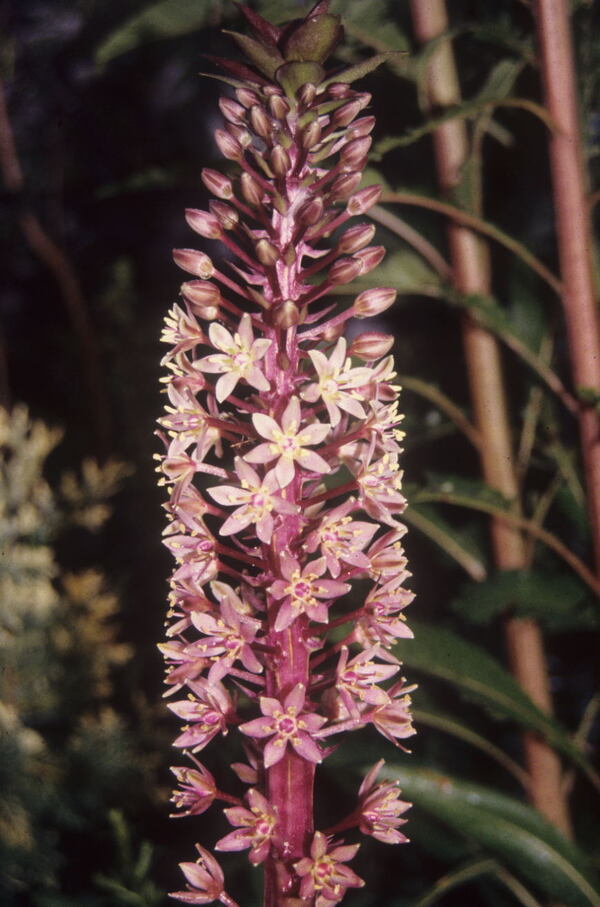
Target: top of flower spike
{"points": [[293, 54]]}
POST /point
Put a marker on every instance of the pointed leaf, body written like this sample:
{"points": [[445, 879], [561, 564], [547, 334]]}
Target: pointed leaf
{"points": [[264, 29], [441, 653], [455, 544], [360, 70], [266, 58], [514, 833]]}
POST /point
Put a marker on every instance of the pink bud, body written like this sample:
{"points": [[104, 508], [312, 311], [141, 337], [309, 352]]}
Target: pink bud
{"points": [[216, 183], [232, 111], [344, 270], [371, 345], [267, 253], [228, 146], [203, 223], [355, 238], [278, 107], [364, 200], [260, 122], [280, 160], [246, 97], [352, 154], [251, 191], [363, 126], [343, 186], [194, 262], [311, 212], [311, 135], [307, 94], [370, 258], [372, 302], [343, 116], [225, 214], [203, 297], [339, 90], [286, 315]]}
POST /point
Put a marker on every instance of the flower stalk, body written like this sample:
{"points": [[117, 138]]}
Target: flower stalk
{"points": [[282, 449]]}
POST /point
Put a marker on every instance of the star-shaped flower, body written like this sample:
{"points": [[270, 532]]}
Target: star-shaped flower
{"points": [[255, 830], [342, 539], [205, 881], [285, 723], [288, 442], [323, 873], [337, 383], [380, 808], [237, 360], [303, 591], [256, 500]]}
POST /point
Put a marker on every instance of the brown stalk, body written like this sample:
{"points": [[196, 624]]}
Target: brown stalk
{"points": [[56, 260], [471, 269], [573, 234]]}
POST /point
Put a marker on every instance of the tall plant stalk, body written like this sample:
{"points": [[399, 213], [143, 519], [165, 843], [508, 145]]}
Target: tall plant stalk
{"points": [[573, 236], [471, 274]]}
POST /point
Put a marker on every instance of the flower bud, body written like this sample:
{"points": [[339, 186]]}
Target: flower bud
{"points": [[355, 238], [228, 146], [370, 258], [306, 94], [339, 90], [343, 116], [353, 153], [344, 270], [204, 223], [194, 262], [225, 214], [363, 126], [232, 111], [311, 212], [251, 190], [343, 186], [372, 302], [280, 160], [278, 107], [371, 345], [260, 122], [286, 315], [311, 134], [364, 200], [267, 253], [239, 134], [203, 297], [246, 97], [332, 332], [217, 183]]}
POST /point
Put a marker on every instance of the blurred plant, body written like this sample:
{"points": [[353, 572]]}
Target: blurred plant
{"points": [[316, 447]]}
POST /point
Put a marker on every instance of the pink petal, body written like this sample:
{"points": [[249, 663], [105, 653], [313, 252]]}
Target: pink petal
{"points": [[261, 454], [284, 470], [258, 727], [265, 425], [312, 461], [274, 751], [306, 747]]}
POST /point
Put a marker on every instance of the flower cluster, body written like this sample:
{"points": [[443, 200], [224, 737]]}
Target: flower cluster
{"points": [[281, 462]]}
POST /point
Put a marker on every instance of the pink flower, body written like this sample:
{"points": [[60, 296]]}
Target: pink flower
{"points": [[323, 873], [358, 680], [393, 719], [288, 443], [257, 499], [237, 361], [341, 538], [381, 621], [380, 808], [197, 790], [205, 880], [286, 724], [337, 383], [303, 591], [255, 830], [228, 637], [207, 711]]}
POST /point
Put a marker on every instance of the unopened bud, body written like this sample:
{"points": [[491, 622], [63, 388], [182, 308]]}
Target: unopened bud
{"points": [[311, 135], [280, 160], [353, 154], [246, 97], [203, 297], [267, 253], [364, 126], [372, 302], [339, 90], [364, 200], [194, 262], [370, 258], [306, 94], [228, 146], [278, 107], [204, 223], [331, 332], [355, 238], [251, 191], [260, 122], [225, 214], [343, 186], [343, 116], [286, 315], [216, 183], [371, 345], [344, 270], [232, 111], [239, 134], [311, 212]]}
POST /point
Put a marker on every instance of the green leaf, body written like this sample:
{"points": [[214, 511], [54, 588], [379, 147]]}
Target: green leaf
{"points": [[507, 829], [441, 653], [165, 19], [266, 59], [557, 600], [455, 544], [360, 70]]}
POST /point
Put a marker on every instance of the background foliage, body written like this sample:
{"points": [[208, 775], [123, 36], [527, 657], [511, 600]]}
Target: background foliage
{"points": [[112, 126]]}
